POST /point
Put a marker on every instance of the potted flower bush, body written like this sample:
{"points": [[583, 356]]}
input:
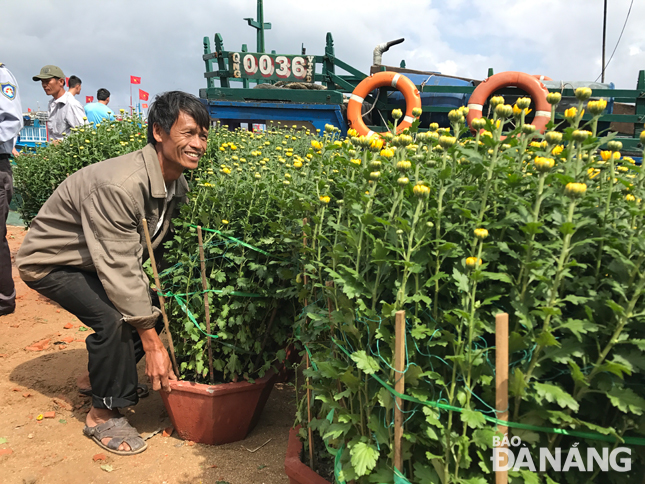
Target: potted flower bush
{"points": [[230, 335], [454, 229]]}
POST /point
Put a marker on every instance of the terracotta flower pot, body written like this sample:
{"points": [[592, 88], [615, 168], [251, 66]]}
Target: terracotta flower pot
{"points": [[298, 472], [216, 414]]}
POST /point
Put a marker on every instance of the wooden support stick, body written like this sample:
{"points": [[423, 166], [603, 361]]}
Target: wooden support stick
{"points": [[399, 386], [501, 384], [310, 436], [162, 302], [207, 314]]}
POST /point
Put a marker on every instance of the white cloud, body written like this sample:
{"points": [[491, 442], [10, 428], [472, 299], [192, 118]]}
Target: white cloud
{"points": [[161, 41]]}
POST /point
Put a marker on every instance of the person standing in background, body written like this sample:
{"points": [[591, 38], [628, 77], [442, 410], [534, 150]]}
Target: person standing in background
{"points": [[11, 123], [74, 85], [98, 111], [64, 111]]}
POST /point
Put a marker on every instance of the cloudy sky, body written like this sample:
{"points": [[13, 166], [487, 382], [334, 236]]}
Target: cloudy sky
{"points": [[104, 42]]}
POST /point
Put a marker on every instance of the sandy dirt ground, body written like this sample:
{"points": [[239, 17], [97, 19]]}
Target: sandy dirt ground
{"points": [[54, 449]]}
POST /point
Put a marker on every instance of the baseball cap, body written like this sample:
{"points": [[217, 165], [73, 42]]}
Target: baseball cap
{"points": [[48, 72]]}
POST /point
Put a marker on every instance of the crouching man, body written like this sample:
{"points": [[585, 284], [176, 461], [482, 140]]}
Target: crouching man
{"points": [[85, 250]]}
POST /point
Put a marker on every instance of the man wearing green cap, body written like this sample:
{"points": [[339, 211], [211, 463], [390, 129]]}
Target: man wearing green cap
{"points": [[64, 113]]}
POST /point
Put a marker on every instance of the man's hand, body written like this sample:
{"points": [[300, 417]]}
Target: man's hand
{"points": [[158, 364]]}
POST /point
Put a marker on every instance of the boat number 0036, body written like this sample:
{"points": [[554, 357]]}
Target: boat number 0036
{"points": [[281, 66]]}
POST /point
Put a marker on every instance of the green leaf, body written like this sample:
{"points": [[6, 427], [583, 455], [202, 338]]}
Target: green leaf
{"points": [[363, 458], [365, 362], [626, 400], [530, 477], [3, 440], [336, 430], [424, 474], [473, 419], [461, 279], [553, 393]]}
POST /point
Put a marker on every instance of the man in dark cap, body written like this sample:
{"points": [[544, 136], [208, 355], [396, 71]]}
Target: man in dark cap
{"points": [[64, 111]]}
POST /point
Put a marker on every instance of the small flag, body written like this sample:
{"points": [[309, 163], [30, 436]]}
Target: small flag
{"points": [[144, 106], [67, 81], [143, 95], [28, 110], [135, 80], [89, 99]]}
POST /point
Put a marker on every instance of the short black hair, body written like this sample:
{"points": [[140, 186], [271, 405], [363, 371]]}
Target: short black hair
{"points": [[73, 81], [164, 111], [102, 94]]}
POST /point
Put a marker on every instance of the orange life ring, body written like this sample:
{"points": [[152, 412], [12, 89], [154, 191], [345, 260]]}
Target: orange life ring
{"points": [[380, 79], [528, 83]]}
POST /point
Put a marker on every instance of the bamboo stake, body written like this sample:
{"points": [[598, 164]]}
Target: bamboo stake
{"points": [[501, 384], [399, 386], [310, 436], [162, 303], [207, 314]]}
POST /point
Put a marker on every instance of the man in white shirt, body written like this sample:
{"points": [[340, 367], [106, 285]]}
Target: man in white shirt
{"points": [[10, 125], [64, 111]]}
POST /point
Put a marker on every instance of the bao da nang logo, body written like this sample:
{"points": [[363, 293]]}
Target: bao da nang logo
{"points": [[512, 455]]}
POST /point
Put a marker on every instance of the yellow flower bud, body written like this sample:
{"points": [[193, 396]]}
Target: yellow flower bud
{"points": [[583, 93], [630, 198], [433, 126], [421, 190], [496, 101], [403, 181], [375, 164], [225, 222], [404, 165], [543, 164], [596, 107], [575, 190], [375, 175], [416, 112], [317, 145], [397, 113], [557, 150], [325, 199], [351, 132], [580, 135], [454, 116], [478, 123], [387, 153], [615, 145], [523, 102], [554, 98], [473, 262], [481, 234], [553, 137], [447, 141]]}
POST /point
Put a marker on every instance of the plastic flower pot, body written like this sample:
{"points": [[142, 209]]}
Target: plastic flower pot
{"points": [[217, 414], [298, 472]]}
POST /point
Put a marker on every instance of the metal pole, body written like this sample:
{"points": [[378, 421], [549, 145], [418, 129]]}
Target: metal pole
{"points": [[501, 382], [261, 29], [604, 36], [399, 386]]}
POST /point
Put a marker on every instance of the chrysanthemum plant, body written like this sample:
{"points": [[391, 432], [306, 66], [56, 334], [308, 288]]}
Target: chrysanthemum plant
{"points": [[454, 229], [242, 198]]}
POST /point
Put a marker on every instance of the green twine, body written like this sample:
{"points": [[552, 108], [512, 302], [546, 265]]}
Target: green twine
{"points": [[241, 242], [517, 425]]}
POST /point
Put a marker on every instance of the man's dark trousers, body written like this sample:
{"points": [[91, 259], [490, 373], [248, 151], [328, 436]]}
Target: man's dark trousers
{"points": [[7, 288], [114, 348]]}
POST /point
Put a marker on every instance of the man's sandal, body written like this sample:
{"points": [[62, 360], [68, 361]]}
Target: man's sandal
{"points": [[121, 432], [142, 391]]}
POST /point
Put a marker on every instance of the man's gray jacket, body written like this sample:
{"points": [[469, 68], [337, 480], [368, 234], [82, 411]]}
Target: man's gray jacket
{"points": [[93, 221]]}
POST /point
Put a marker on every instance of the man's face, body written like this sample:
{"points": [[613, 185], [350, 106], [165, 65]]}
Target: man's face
{"points": [[52, 86], [184, 145], [76, 90]]}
